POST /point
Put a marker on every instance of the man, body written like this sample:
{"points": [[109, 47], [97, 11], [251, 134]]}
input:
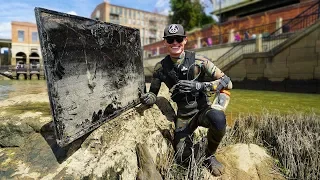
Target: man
{"points": [[184, 74], [246, 35]]}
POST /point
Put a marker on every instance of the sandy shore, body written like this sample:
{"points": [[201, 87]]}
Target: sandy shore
{"points": [[41, 97]]}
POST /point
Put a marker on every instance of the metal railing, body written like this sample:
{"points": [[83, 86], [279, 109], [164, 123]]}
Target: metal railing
{"points": [[11, 68], [269, 41], [299, 23]]}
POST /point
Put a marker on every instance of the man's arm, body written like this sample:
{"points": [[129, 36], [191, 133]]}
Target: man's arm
{"points": [[219, 79], [150, 97], [156, 82]]}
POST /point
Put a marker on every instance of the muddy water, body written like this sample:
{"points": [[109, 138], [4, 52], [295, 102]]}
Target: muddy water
{"points": [[12, 88]]}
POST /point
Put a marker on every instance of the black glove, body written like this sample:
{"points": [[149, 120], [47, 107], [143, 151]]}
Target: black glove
{"points": [[186, 86], [148, 98]]}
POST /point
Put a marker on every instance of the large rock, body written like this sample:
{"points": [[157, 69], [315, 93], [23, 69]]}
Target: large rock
{"points": [[109, 152], [13, 133], [247, 161]]}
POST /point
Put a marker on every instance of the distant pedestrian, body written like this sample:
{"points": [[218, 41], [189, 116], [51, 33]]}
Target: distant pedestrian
{"points": [[237, 37], [209, 41], [246, 35], [204, 44], [286, 28]]}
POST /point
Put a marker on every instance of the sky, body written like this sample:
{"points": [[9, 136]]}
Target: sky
{"points": [[23, 10]]}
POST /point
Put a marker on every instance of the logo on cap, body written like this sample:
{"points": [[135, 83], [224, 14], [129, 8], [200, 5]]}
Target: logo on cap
{"points": [[173, 29]]}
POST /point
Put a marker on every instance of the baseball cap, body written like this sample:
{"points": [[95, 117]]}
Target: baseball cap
{"points": [[174, 30]]}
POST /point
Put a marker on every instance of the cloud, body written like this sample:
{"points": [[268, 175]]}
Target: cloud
{"points": [[5, 30], [165, 11], [216, 18], [14, 11], [161, 3], [163, 6], [72, 13]]}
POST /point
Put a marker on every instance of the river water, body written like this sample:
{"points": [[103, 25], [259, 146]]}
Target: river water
{"points": [[12, 88]]}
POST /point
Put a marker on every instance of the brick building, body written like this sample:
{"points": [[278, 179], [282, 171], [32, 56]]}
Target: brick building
{"points": [[25, 47], [150, 24]]}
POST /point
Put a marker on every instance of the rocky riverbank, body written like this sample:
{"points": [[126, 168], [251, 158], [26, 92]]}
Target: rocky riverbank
{"points": [[135, 145]]}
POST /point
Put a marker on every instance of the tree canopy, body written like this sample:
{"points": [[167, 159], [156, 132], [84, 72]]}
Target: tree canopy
{"points": [[189, 13]]}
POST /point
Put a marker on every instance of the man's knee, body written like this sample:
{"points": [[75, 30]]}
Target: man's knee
{"points": [[217, 119]]}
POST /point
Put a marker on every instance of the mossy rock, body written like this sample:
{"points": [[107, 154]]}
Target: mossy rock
{"points": [[13, 132]]}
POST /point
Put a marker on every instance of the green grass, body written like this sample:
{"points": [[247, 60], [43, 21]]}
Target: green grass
{"points": [[249, 101]]}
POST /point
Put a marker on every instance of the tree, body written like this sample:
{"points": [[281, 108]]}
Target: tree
{"points": [[189, 13]]}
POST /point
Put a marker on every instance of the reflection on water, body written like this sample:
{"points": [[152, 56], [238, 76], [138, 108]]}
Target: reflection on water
{"points": [[12, 88]]}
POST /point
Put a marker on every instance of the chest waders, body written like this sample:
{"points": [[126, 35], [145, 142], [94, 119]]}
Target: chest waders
{"points": [[193, 109]]}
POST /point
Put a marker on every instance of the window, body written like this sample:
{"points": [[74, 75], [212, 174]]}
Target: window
{"points": [[97, 14], [114, 18], [34, 37], [120, 10], [21, 36]]}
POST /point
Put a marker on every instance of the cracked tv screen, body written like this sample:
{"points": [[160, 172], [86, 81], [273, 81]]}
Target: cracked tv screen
{"points": [[93, 70]]}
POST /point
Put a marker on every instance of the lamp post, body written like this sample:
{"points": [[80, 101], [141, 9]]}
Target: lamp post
{"points": [[220, 39]]}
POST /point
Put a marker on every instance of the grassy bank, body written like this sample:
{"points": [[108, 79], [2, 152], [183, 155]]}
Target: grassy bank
{"points": [[292, 139]]}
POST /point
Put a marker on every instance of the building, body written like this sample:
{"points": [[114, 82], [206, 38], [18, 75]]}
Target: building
{"points": [[25, 48], [255, 16], [234, 9], [151, 25]]}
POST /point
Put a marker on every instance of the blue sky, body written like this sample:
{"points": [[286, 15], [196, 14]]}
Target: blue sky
{"points": [[23, 10]]}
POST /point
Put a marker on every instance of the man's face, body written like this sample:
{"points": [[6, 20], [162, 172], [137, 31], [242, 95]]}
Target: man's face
{"points": [[175, 45]]}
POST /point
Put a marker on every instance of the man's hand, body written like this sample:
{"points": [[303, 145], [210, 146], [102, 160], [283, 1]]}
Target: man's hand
{"points": [[148, 98], [186, 86], [223, 82]]}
